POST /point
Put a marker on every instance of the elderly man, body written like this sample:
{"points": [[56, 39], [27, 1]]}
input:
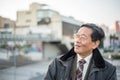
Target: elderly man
{"points": [[83, 61]]}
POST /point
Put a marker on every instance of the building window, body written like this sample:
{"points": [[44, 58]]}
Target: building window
{"points": [[6, 25], [44, 21]]}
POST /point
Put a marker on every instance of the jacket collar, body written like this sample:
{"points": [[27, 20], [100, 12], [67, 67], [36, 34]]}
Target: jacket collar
{"points": [[97, 57]]}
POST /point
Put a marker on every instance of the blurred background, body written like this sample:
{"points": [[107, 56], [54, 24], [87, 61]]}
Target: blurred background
{"points": [[34, 32]]}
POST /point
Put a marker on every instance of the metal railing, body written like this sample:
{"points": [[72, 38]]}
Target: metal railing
{"points": [[31, 37]]}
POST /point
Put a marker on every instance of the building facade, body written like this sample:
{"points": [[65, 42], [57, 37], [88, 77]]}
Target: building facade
{"points": [[53, 28], [43, 20], [6, 25]]}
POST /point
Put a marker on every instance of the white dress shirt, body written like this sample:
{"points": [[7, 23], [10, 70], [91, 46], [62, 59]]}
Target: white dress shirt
{"points": [[87, 59]]}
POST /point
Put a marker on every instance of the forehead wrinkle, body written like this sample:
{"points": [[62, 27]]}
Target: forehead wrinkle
{"points": [[85, 30], [82, 34]]}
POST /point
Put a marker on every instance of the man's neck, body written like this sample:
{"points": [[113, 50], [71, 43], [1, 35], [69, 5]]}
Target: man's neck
{"points": [[84, 55]]}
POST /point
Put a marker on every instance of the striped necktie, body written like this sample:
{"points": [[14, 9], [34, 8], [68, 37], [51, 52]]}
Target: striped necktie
{"points": [[79, 70]]}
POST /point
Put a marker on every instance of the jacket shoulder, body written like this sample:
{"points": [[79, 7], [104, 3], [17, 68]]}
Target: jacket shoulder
{"points": [[110, 71], [109, 65]]}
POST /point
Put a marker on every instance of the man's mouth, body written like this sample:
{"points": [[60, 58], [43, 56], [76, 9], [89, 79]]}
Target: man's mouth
{"points": [[77, 45]]}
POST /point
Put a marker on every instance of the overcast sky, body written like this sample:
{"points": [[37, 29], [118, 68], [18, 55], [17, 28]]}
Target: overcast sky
{"points": [[95, 11]]}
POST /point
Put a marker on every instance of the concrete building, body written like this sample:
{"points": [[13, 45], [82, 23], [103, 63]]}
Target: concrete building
{"points": [[41, 18], [117, 34], [7, 26], [117, 29], [53, 28], [6, 23]]}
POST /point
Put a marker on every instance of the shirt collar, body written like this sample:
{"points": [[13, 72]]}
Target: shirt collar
{"points": [[87, 59]]}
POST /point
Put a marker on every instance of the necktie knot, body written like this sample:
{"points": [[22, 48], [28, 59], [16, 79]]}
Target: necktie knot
{"points": [[82, 61]]}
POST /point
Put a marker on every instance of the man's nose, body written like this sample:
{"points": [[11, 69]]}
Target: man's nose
{"points": [[77, 40]]}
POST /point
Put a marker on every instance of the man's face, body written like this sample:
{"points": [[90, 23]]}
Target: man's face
{"points": [[83, 43]]}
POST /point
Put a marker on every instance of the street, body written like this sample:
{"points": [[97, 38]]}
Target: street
{"points": [[35, 71]]}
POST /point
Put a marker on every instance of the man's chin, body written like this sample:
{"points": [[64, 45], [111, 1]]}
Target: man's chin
{"points": [[76, 50]]}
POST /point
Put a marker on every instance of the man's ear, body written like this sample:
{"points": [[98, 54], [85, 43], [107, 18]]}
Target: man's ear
{"points": [[96, 44]]}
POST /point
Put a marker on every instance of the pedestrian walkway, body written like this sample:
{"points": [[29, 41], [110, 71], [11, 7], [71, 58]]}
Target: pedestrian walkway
{"points": [[6, 64], [118, 72], [28, 72], [34, 71]]}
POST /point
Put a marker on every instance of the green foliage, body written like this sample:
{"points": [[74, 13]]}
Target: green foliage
{"points": [[101, 45], [17, 46], [116, 56], [4, 46], [27, 45]]}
